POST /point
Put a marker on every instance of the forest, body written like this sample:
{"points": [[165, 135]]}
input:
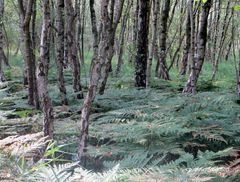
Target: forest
{"points": [[119, 90]]}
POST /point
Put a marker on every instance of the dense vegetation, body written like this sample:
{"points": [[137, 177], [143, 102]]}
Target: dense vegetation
{"points": [[120, 106]]}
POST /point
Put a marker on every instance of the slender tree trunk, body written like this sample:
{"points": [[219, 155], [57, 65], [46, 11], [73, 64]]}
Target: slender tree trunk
{"points": [[234, 45], [33, 26], [26, 11], [134, 32], [172, 13], [201, 46], [122, 38], [95, 31], [72, 48], [163, 71], [210, 35], [228, 50], [221, 42], [187, 45], [177, 53], [83, 31], [53, 31], [114, 17], [42, 71], [216, 25], [2, 55], [60, 50], [142, 44], [94, 74], [66, 47], [152, 46], [34, 35], [79, 27]]}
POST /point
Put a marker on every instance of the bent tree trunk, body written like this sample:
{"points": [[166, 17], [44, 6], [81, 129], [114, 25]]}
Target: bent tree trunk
{"points": [[100, 59], [142, 44], [42, 71], [201, 46], [110, 31]]}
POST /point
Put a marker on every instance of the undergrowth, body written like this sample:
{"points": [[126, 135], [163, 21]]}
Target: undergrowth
{"points": [[156, 134]]}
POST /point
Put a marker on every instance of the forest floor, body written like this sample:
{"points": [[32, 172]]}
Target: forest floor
{"points": [[183, 136]]}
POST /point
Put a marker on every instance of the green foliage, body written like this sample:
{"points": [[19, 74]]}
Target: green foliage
{"points": [[26, 113], [236, 8], [152, 134], [147, 128], [8, 74], [73, 173]]}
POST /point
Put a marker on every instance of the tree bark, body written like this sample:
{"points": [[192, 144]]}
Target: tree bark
{"points": [[42, 71], [113, 20], [34, 35], [163, 71], [79, 27], [187, 45], [222, 40], [142, 44], [201, 46], [122, 38], [83, 31], [60, 50], [72, 47], [26, 11], [100, 58], [2, 54], [134, 32], [152, 46]]}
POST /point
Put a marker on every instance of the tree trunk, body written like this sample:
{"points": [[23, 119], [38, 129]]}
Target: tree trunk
{"points": [[122, 37], [216, 25], [110, 31], [154, 38], [187, 45], [83, 30], [60, 50], [163, 71], [2, 55], [177, 53], [42, 71], [79, 27], [201, 46], [99, 59], [26, 11], [134, 32], [34, 35], [142, 43], [94, 30], [234, 47], [222, 40], [72, 47]]}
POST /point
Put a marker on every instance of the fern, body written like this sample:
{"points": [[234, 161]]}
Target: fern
{"points": [[61, 173], [55, 173]]}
